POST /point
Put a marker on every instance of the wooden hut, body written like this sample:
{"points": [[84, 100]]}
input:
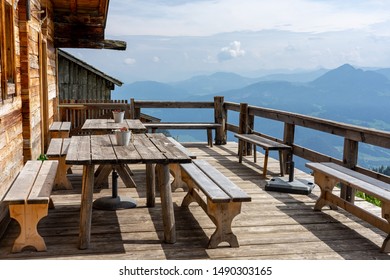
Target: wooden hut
{"points": [[31, 31], [80, 81]]}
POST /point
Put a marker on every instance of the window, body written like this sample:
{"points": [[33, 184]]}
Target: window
{"points": [[7, 50]]}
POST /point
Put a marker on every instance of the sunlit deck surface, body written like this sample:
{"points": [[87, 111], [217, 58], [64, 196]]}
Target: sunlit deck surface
{"points": [[274, 226]]}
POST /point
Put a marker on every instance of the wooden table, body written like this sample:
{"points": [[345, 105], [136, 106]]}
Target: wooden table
{"points": [[155, 150], [106, 126], [103, 126]]}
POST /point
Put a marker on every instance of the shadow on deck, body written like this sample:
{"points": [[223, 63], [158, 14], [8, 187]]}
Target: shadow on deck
{"points": [[274, 225]]}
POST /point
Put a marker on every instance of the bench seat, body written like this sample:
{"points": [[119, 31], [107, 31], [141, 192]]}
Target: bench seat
{"points": [[327, 175], [182, 125], [267, 145], [60, 129], [28, 201], [223, 198], [57, 150], [175, 169]]}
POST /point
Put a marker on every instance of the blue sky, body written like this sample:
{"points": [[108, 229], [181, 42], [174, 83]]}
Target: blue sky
{"points": [[173, 40]]}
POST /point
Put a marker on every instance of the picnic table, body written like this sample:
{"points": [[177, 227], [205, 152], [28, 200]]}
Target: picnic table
{"points": [[107, 126], [104, 126], [154, 149]]}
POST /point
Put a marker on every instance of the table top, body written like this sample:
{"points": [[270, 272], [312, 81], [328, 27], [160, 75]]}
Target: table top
{"points": [[134, 125], [144, 148]]}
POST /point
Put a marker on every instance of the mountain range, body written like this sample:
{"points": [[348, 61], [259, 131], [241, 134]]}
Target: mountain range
{"points": [[345, 94]]}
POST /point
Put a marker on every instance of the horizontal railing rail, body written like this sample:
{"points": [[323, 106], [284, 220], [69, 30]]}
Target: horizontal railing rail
{"points": [[245, 122]]}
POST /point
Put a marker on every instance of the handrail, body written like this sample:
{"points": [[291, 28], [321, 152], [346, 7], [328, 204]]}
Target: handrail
{"points": [[351, 134]]}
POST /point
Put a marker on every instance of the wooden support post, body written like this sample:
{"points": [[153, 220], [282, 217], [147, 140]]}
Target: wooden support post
{"points": [[250, 129], [86, 207], [168, 218], [220, 115], [288, 139], [243, 129], [128, 111], [132, 109], [135, 112], [150, 184], [350, 157]]}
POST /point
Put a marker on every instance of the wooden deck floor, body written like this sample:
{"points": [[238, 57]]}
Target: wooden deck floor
{"points": [[274, 226]]}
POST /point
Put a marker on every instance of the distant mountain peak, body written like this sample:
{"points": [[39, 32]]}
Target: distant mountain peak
{"points": [[347, 74]]}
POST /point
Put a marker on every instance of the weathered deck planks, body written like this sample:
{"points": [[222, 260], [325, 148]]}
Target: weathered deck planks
{"points": [[274, 225]]}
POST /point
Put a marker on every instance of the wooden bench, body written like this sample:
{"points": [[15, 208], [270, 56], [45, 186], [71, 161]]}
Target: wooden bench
{"points": [[328, 175], [177, 125], [57, 150], [267, 145], [60, 129], [175, 169], [222, 201], [28, 199]]}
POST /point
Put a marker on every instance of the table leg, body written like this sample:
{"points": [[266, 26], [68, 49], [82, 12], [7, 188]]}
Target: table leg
{"points": [[86, 206], [168, 216], [125, 175], [150, 184]]}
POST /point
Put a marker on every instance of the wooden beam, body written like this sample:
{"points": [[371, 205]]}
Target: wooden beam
{"points": [[89, 43], [76, 31]]}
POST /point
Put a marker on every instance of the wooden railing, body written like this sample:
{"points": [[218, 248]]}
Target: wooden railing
{"points": [[77, 111], [245, 123], [352, 135]]}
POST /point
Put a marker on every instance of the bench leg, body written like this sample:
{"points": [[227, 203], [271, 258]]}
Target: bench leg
{"points": [[209, 137], [326, 184], [177, 182], [254, 153], [240, 150], [28, 217], [281, 163], [222, 215], [62, 181], [265, 163], [386, 215]]}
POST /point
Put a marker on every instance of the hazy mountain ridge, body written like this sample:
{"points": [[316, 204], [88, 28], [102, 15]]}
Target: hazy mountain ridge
{"points": [[344, 94]]}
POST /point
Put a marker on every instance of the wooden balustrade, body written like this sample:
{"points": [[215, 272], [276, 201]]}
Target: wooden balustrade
{"points": [[353, 135], [77, 112]]}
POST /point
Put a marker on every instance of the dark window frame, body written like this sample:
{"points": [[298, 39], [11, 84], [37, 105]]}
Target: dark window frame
{"points": [[7, 51]]}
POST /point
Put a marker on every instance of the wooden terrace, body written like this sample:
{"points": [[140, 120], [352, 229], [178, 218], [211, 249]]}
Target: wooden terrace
{"points": [[274, 225]]}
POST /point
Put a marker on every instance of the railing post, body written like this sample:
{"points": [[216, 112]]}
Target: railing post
{"points": [[127, 111], [220, 115], [132, 109], [350, 158], [288, 139], [134, 112], [243, 128]]}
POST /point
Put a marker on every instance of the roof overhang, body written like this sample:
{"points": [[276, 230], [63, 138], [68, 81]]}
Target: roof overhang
{"points": [[81, 24]]}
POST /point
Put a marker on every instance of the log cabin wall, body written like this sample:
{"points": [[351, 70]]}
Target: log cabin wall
{"points": [[38, 80], [79, 81], [28, 73], [11, 140]]}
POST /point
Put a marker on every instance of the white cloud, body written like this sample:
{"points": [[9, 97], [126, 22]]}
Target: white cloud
{"points": [[232, 51], [156, 59], [129, 61]]}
